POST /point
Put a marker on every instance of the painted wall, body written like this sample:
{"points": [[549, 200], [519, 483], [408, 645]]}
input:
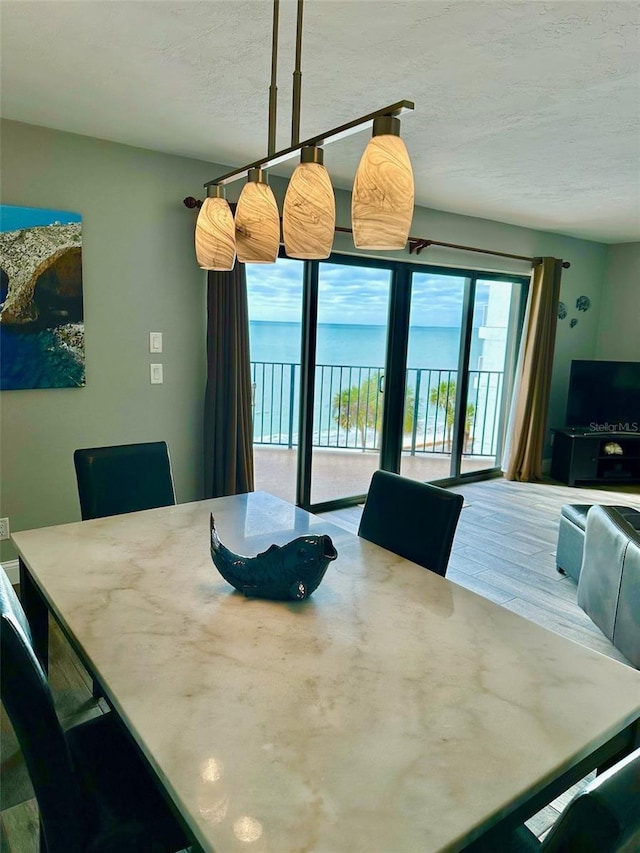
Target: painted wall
{"points": [[139, 275], [619, 327]]}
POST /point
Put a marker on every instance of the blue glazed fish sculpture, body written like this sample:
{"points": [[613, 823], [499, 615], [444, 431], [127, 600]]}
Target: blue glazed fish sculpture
{"points": [[288, 572]]}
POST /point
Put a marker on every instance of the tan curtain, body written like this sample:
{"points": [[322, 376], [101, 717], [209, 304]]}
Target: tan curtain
{"points": [[228, 432], [526, 434]]}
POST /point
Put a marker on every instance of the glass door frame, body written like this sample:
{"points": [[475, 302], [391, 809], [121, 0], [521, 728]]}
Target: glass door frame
{"points": [[514, 333], [310, 294], [398, 318]]}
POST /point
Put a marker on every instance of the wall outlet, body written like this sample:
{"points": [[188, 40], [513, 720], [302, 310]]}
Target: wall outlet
{"points": [[4, 528]]}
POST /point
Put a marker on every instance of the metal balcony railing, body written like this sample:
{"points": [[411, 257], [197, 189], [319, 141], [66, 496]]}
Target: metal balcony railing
{"points": [[348, 407]]}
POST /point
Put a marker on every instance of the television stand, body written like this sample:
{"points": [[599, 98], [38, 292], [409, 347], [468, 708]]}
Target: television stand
{"points": [[578, 457]]}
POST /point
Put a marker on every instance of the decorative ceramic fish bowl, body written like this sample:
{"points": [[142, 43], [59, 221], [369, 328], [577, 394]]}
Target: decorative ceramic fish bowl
{"points": [[288, 572]]}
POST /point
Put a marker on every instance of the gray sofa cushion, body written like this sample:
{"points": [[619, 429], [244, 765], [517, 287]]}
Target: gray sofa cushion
{"points": [[609, 584], [629, 514], [570, 548], [626, 632], [573, 519], [577, 513]]}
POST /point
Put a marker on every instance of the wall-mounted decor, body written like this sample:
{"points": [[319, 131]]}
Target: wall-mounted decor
{"points": [[41, 317], [583, 303], [562, 310], [573, 323]]}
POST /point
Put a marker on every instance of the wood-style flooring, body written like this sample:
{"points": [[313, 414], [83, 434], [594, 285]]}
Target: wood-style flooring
{"points": [[504, 550]]}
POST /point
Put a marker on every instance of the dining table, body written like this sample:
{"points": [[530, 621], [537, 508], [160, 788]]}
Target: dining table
{"points": [[393, 710]]}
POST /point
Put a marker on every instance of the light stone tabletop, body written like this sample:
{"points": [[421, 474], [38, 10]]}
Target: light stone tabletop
{"points": [[393, 711]]}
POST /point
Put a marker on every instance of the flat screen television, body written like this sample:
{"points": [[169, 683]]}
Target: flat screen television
{"points": [[604, 396]]}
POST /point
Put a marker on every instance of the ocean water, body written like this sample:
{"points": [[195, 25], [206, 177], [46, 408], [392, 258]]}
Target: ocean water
{"points": [[355, 344], [36, 359], [275, 352]]}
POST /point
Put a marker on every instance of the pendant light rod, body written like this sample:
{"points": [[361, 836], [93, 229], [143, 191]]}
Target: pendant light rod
{"points": [[325, 138], [273, 87], [297, 81]]}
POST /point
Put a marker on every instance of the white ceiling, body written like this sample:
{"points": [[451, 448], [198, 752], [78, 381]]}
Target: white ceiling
{"points": [[526, 112]]}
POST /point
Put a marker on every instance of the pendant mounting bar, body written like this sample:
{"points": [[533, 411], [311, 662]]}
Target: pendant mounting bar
{"points": [[273, 87], [325, 138]]}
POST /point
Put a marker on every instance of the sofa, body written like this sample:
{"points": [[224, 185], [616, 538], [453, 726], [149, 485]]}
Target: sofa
{"points": [[571, 533], [609, 578]]}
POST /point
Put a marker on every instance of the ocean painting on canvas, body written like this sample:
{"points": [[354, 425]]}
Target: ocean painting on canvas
{"points": [[41, 312]]}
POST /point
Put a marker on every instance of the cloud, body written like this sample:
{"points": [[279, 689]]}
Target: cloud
{"points": [[350, 294]]}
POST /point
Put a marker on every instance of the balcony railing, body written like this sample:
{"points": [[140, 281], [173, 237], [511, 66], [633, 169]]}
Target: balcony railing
{"points": [[348, 407]]}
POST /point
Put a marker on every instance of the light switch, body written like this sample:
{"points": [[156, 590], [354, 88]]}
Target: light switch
{"points": [[155, 341], [156, 374]]}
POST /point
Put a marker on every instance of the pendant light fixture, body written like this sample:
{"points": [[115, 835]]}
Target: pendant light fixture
{"points": [[257, 221], [309, 213], [382, 199], [215, 236], [383, 192]]}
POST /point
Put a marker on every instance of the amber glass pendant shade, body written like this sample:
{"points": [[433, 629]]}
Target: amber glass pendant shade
{"points": [[309, 213], [215, 235], [257, 222], [383, 192]]}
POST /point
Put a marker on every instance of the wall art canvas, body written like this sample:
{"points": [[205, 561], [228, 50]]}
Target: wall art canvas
{"points": [[41, 314]]}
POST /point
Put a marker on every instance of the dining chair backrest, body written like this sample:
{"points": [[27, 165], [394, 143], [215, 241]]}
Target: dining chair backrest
{"points": [[415, 520], [605, 816], [27, 698], [123, 478]]}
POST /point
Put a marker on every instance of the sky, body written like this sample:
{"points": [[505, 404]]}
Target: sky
{"points": [[351, 294], [12, 217]]}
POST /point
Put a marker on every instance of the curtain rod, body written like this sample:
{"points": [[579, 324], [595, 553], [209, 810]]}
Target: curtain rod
{"points": [[417, 244]]}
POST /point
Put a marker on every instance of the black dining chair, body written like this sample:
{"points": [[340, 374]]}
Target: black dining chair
{"points": [[123, 478], [415, 520], [602, 818], [94, 793]]}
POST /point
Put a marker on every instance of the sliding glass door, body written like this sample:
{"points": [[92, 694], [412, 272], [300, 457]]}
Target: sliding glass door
{"points": [[275, 329], [496, 309], [359, 364], [461, 354], [353, 306], [435, 334]]}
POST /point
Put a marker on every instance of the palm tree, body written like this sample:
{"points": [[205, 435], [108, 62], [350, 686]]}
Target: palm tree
{"points": [[361, 408], [444, 397], [409, 410], [468, 424]]}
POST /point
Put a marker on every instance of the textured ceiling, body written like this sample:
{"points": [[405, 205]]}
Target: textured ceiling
{"points": [[526, 112]]}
